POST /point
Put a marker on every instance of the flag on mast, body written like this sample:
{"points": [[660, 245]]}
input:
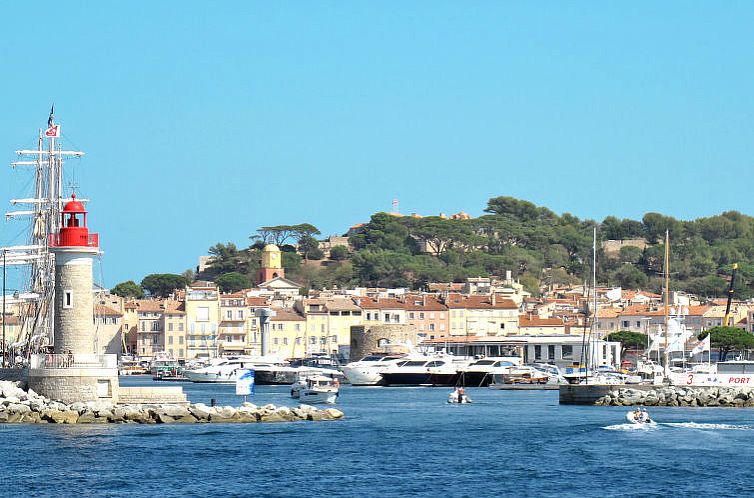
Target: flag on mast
{"points": [[53, 130]]}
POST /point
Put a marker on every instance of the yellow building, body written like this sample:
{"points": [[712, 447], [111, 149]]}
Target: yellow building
{"points": [[234, 317], [202, 321], [482, 315], [287, 332], [328, 324]]}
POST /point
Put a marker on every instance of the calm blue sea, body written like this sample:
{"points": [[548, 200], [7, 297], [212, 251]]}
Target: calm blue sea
{"points": [[394, 442]]}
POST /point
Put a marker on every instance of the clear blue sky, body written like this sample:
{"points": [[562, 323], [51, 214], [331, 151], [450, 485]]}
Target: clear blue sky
{"points": [[205, 120]]}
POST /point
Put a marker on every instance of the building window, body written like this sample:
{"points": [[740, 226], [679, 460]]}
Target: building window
{"points": [[240, 314], [312, 340], [421, 316], [334, 338], [180, 340], [180, 352], [551, 352], [229, 314], [537, 352], [143, 326], [275, 341], [155, 326], [322, 328], [285, 341], [68, 299], [411, 315], [203, 328], [566, 352], [180, 327], [298, 340], [431, 327], [170, 340], [170, 326]]}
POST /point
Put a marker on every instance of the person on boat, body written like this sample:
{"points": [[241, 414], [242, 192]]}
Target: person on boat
{"points": [[336, 383], [637, 414], [644, 417], [461, 394]]}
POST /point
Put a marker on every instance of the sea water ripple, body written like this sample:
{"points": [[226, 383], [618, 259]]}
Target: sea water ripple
{"points": [[393, 442]]}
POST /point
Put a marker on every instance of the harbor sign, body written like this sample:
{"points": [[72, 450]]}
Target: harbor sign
{"points": [[245, 382]]}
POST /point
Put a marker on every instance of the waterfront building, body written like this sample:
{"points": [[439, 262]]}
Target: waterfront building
{"points": [[233, 335], [427, 315], [329, 322], [531, 325], [382, 310], [482, 315], [287, 334], [174, 328], [107, 330], [202, 320]]}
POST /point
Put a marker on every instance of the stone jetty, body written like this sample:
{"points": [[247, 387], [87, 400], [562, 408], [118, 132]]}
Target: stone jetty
{"points": [[18, 405], [679, 396]]}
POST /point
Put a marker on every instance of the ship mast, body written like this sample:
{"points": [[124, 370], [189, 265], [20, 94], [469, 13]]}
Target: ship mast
{"points": [[45, 211]]}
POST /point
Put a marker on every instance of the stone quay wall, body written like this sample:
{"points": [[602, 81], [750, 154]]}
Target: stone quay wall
{"points": [[678, 396]]}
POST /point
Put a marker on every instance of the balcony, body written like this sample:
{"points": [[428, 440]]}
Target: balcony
{"points": [[98, 361]]}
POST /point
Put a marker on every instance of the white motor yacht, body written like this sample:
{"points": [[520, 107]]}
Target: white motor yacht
{"points": [[225, 370], [431, 371], [366, 371], [480, 372]]}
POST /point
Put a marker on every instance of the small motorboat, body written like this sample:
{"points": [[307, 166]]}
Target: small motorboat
{"points": [[316, 389], [459, 396], [639, 416]]}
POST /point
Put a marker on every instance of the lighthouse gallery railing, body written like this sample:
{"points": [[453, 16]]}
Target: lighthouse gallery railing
{"points": [[74, 361]]}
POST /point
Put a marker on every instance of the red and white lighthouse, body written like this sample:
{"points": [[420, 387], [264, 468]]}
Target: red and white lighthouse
{"points": [[74, 248]]}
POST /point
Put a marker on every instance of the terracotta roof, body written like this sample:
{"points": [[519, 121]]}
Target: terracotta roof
{"points": [[100, 310], [286, 315], [387, 303], [415, 302], [441, 286], [158, 306], [535, 321], [257, 302], [233, 295], [458, 301]]}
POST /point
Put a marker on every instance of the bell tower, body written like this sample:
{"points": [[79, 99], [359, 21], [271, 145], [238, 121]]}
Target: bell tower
{"points": [[272, 264]]}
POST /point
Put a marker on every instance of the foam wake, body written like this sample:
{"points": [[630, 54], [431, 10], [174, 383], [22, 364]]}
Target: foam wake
{"points": [[719, 427], [630, 427]]}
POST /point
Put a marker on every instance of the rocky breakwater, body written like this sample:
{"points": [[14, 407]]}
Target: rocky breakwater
{"points": [[680, 396], [25, 406]]}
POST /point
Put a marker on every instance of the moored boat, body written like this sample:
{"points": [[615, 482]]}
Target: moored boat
{"points": [[366, 371], [421, 372], [315, 388]]}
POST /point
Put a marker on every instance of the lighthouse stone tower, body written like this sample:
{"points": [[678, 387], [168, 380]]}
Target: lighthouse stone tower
{"points": [[76, 372]]}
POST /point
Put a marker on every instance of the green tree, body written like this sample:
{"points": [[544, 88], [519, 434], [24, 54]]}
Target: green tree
{"points": [[339, 253], [232, 282], [309, 248], [728, 339], [129, 288], [629, 340], [629, 277], [163, 284]]}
